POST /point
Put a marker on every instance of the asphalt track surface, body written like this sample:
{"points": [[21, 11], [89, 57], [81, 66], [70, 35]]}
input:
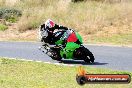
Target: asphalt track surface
{"points": [[116, 58]]}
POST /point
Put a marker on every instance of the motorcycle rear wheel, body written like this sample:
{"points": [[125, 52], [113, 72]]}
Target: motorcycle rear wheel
{"points": [[84, 54], [89, 57]]}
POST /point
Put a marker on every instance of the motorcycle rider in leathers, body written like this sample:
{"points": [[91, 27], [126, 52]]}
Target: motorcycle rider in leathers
{"points": [[66, 34]]}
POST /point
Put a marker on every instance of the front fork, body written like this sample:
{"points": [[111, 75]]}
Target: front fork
{"points": [[46, 49]]}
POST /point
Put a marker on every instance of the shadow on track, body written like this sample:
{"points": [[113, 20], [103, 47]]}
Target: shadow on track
{"points": [[81, 62]]}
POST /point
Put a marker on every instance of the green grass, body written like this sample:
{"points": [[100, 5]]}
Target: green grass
{"points": [[120, 39], [3, 27], [27, 74]]}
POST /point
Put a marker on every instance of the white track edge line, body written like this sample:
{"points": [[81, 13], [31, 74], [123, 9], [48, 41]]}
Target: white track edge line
{"points": [[61, 64]]}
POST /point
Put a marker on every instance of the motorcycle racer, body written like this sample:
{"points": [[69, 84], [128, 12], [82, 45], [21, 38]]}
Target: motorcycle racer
{"points": [[51, 32], [66, 34]]}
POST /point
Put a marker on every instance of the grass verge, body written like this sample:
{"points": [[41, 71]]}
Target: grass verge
{"points": [[120, 39], [27, 74]]}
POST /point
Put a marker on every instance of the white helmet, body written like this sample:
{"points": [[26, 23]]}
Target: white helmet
{"points": [[49, 24]]}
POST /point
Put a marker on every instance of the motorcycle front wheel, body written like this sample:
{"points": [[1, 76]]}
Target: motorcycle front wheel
{"points": [[56, 55]]}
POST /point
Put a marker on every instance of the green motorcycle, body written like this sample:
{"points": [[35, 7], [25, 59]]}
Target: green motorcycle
{"points": [[60, 50]]}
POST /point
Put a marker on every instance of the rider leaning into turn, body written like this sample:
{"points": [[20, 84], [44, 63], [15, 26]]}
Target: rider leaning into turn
{"points": [[68, 35], [68, 43]]}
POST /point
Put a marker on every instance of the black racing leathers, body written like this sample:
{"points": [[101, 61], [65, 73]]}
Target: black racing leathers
{"points": [[52, 38]]}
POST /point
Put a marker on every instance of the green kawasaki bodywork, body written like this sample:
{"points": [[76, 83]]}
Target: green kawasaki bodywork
{"points": [[67, 52]]}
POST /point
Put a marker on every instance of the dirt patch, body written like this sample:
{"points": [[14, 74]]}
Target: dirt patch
{"points": [[13, 34]]}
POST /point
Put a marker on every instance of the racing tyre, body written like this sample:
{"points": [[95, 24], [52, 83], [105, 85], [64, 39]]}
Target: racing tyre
{"points": [[56, 55], [89, 57]]}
